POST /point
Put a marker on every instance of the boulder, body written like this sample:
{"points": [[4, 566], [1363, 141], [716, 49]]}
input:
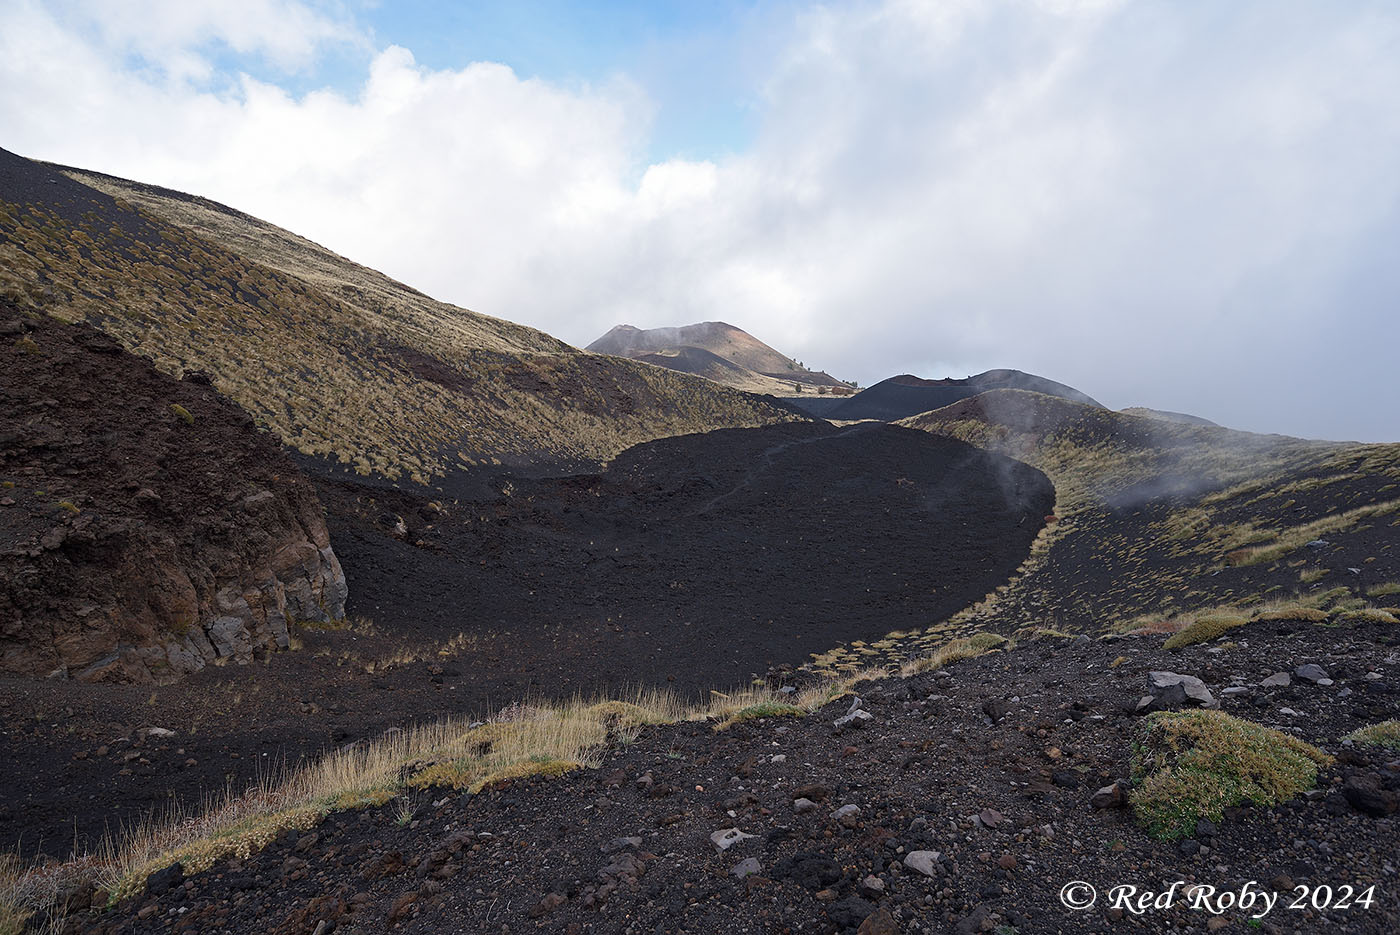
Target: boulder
{"points": [[1311, 672], [1367, 794], [728, 837], [922, 862], [1113, 795], [162, 881], [1171, 685]]}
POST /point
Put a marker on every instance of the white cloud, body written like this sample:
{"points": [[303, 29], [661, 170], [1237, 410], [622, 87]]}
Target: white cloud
{"points": [[173, 35], [1181, 205]]}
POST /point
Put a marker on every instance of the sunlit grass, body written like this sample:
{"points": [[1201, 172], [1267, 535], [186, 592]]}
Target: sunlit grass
{"points": [[522, 740]]}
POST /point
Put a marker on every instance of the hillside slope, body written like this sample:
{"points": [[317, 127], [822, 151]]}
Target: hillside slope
{"points": [[718, 351], [1158, 517], [907, 395], [341, 361]]}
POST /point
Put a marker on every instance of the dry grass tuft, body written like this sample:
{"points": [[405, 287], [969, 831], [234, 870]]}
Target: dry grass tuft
{"points": [[1208, 623], [761, 710], [1294, 611], [956, 650], [1287, 540], [1202, 629], [1367, 615], [1046, 633], [13, 911]]}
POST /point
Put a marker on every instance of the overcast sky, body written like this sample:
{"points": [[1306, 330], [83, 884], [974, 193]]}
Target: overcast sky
{"points": [[1186, 205]]}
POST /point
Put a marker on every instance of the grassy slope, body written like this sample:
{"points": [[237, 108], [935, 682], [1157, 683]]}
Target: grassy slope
{"points": [[1158, 518], [338, 359]]}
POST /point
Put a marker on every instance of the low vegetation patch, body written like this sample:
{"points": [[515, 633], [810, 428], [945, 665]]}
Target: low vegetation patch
{"points": [[1385, 734], [1189, 765], [1203, 629], [1367, 615], [756, 711], [964, 647], [1050, 634], [1296, 612]]}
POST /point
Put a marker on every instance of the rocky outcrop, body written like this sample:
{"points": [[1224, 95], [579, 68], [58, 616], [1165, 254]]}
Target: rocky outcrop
{"points": [[147, 527]]}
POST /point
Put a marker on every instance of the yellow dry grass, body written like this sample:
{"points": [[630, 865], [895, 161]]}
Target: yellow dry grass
{"points": [[956, 650], [13, 909], [1280, 542], [520, 741]]}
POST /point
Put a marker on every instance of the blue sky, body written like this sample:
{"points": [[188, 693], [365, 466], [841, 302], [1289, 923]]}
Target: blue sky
{"points": [[692, 58], [1173, 203], [698, 62]]}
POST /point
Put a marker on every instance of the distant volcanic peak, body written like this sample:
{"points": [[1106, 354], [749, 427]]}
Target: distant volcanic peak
{"points": [[1023, 410], [694, 360], [713, 336], [717, 348], [908, 379]]}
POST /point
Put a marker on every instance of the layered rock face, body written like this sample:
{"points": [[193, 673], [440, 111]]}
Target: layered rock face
{"points": [[147, 527]]}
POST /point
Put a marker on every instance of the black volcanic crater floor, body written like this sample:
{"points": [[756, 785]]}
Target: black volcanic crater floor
{"points": [[693, 562], [697, 562]]}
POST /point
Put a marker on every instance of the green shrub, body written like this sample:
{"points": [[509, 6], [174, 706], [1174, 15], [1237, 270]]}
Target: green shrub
{"points": [[1367, 615], [1385, 734], [1203, 629], [1189, 765], [182, 412]]}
